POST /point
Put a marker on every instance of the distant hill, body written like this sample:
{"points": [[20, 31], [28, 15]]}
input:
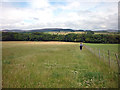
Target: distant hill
{"points": [[51, 30], [112, 30], [56, 30], [13, 31], [45, 30]]}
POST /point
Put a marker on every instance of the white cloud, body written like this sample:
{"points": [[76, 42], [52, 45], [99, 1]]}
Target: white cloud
{"points": [[63, 0], [74, 14]]}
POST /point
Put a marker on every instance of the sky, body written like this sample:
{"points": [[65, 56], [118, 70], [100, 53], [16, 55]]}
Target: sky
{"points": [[73, 14]]}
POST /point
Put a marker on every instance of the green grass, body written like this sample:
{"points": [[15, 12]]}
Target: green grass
{"points": [[53, 66], [113, 48]]}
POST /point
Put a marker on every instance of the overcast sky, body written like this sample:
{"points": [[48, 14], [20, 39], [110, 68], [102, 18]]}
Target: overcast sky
{"points": [[74, 14]]}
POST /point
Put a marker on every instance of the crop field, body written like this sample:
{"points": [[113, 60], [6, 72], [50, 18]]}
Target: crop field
{"points": [[54, 65]]}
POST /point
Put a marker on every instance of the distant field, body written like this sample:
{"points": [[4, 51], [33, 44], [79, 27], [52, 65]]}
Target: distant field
{"points": [[64, 33], [110, 33], [103, 33], [53, 65]]}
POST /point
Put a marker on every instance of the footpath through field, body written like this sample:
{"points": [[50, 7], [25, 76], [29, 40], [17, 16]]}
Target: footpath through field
{"points": [[35, 64]]}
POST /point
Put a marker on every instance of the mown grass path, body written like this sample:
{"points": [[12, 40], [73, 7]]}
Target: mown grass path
{"points": [[52, 65]]}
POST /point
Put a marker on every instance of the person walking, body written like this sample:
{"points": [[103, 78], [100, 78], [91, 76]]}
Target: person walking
{"points": [[81, 45]]}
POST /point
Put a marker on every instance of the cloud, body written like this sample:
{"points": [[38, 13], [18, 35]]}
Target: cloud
{"points": [[68, 14], [63, 0]]}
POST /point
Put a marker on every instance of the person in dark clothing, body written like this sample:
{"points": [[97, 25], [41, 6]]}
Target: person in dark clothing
{"points": [[81, 45]]}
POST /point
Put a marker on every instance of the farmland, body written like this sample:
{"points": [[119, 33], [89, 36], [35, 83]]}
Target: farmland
{"points": [[83, 32], [54, 65], [64, 33]]}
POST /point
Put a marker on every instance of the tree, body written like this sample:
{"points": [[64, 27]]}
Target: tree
{"points": [[90, 32]]}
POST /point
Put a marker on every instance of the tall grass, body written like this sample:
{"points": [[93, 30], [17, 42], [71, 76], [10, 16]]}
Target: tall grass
{"points": [[113, 48], [52, 66]]}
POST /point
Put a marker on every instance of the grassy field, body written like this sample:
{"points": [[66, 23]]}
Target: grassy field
{"points": [[53, 65], [64, 33], [108, 33], [113, 48]]}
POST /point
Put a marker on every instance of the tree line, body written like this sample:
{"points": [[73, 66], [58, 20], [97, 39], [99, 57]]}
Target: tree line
{"points": [[89, 37]]}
